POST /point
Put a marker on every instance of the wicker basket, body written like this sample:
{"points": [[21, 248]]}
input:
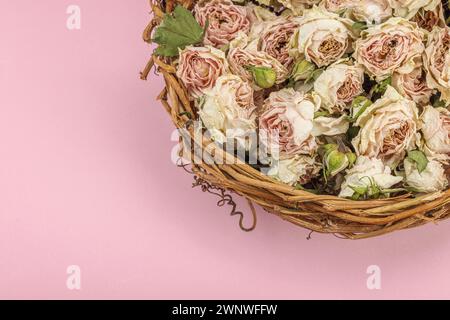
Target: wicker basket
{"points": [[318, 213]]}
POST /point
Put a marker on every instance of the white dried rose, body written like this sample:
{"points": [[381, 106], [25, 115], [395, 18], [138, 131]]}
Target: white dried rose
{"points": [[338, 85], [413, 85], [369, 11], [299, 169], [287, 122], [367, 176], [391, 46], [436, 131], [408, 8], [297, 6], [329, 126], [388, 128], [228, 110], [437, 61], [323, 37], [432, 179]]}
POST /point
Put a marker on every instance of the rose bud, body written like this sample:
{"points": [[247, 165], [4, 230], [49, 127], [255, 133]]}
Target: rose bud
{"points": [[264, 77]]}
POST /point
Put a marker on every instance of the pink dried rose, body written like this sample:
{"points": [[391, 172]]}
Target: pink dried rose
{"points": [[199, 68], [336, 5], [338, 85], [224, 20], [389, 47], [437, 61], [413, 85], [297, 6], [241, 58], [428, 19], [275, 38], [286, 124]]}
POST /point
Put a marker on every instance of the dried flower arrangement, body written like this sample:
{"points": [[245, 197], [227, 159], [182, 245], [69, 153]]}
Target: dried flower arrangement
{"points": [[332, 114]]}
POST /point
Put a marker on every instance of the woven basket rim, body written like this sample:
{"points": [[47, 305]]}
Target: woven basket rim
{"points": [[345, 218]]}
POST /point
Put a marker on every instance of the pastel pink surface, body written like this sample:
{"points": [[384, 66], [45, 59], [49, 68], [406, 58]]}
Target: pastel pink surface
{"points": [[86, 179]]}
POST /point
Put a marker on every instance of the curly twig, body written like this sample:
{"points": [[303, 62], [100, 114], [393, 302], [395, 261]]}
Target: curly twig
{"points": [[225, 198]]}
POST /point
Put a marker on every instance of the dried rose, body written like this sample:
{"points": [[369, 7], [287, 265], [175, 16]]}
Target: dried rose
{"points": [[299, 169], [437, 61], [429, 19], [369, 177], [323, 37], [275, 38], [199, 68], [413, 85], [223, 19], [432, 179], [243, 58], [338, 85], [408, 8], [287, 122], [388, 128], [391, 46], [436, 132]]}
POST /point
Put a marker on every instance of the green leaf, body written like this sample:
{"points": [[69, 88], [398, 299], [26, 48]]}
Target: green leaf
{"points": [[302, 70], [177, 31], [322, 113], [352, 132], [439, 104], [355, 196], [380, 88], [419, 158], [359, 190], [359, 26], [359, 105], [298, 186], [314, 75], [374, 189], [329, 147]]}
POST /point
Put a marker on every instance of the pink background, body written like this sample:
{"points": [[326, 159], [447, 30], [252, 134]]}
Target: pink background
{"points": [[86, 179]]}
